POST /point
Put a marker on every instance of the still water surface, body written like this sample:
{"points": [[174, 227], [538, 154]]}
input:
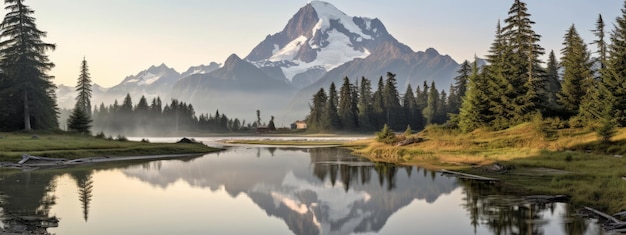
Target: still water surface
{"points": [[269, 190]]}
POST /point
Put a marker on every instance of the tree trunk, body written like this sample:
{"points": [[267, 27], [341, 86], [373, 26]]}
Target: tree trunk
{"points": [[26, 113]]}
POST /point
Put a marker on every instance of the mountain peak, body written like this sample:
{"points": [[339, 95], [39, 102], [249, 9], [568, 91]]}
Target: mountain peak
{"points": [[431, 52], [231, 61]]}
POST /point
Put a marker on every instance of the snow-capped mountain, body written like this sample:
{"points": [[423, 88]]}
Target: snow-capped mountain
{"points": [[320, 44], [151, 82], [316, 40], [200, 69]]}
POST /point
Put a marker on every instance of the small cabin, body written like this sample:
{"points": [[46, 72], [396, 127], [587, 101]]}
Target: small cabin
{"points": [[299, 125]]}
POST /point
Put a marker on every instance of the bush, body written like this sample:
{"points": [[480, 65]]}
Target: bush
{"points": [[121, 138], [145, 140], [100, 135], [386, 136]]}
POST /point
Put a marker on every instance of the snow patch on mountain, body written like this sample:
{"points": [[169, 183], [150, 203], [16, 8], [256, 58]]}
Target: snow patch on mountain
{"points": [[327, 12], [290, 51], [338, 52]]}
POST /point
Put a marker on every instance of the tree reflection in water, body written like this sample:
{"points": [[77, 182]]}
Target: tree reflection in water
{"points": [[26, 209], [486, 205]]}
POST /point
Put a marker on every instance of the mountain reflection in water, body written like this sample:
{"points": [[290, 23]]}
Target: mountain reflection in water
{"points": [[313, 191]]}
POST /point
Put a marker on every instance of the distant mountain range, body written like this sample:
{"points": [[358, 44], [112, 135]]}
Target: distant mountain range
{"points": [[320, 44]]}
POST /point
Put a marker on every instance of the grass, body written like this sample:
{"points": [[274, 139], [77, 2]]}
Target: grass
{"points": [[70, 146], [567, 161]]}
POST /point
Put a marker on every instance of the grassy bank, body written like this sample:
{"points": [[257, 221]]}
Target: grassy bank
{"points": [[535, 161], [13, 145]]}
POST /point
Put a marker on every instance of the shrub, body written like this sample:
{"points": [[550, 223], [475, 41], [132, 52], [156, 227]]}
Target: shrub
{"points": [[386, 135], [100, 135], [121, 138]]}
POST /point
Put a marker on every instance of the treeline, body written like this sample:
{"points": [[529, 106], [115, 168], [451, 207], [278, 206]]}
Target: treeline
{"points": [[158, 118], [514, 87], [357, 108]]}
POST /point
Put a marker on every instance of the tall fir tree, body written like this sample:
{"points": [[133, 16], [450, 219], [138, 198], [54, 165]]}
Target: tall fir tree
{"points": [[430, 112], [614, 76], [599, 42], [411, 111], [576, 70], [475, 109], [316, 120], [27, 93], [378, 105], [330, 113], [80, 120], [83, 87], [365, 116], [553, 84], [346, 109], [394, 114], [526, 74], [458, 90]]}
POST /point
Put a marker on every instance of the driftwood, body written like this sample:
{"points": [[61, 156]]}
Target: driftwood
{"points": [[467, 176], [409, 141], [613, 224], [26, 158]]}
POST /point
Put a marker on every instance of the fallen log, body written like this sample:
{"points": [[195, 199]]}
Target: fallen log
{"points": [[466, 176], [609, 218], [26, 158]]}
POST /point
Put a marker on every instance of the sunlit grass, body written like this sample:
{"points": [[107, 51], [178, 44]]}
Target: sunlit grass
{"points": [[13, 145], [567, 161]]}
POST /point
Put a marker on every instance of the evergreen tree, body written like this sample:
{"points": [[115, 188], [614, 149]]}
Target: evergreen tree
{"points": [[346, 109], [26, 91], [475, 110], [365, 116], [600, 43], [391, 98], [271, 125], [553, 84], [330, 113], [526, 74], [614, 76], [442, 108], [411, 111], [84, 88], [378, 105], [458, 90], [80, 119], [316, 120], [576, 69], [430, 112]]}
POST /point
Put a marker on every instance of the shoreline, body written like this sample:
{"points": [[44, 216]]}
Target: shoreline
{"points": [[93, 160]]}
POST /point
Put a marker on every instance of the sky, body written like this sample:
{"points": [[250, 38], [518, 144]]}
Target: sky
{"points": [[119, 38]]}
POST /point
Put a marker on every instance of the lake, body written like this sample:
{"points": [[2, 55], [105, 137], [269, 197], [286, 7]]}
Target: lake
{"points": [[268, 190]]}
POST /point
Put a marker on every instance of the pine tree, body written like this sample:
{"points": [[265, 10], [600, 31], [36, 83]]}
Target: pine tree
{"points": [[394, 114], [80, 119], [330, 112], [458, 90], [346, 109], [430, 112], [84, 88], [576, 69], [526, 74], [378, 106], [316, 120], [600, 43], [365, 105], [614, 76], [27, 91], [475, 110], [441, 115], [498, 90], [411, 111], [553, 84]]}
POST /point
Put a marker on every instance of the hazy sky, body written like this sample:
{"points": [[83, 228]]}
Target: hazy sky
{"points": [[123, 37]]}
